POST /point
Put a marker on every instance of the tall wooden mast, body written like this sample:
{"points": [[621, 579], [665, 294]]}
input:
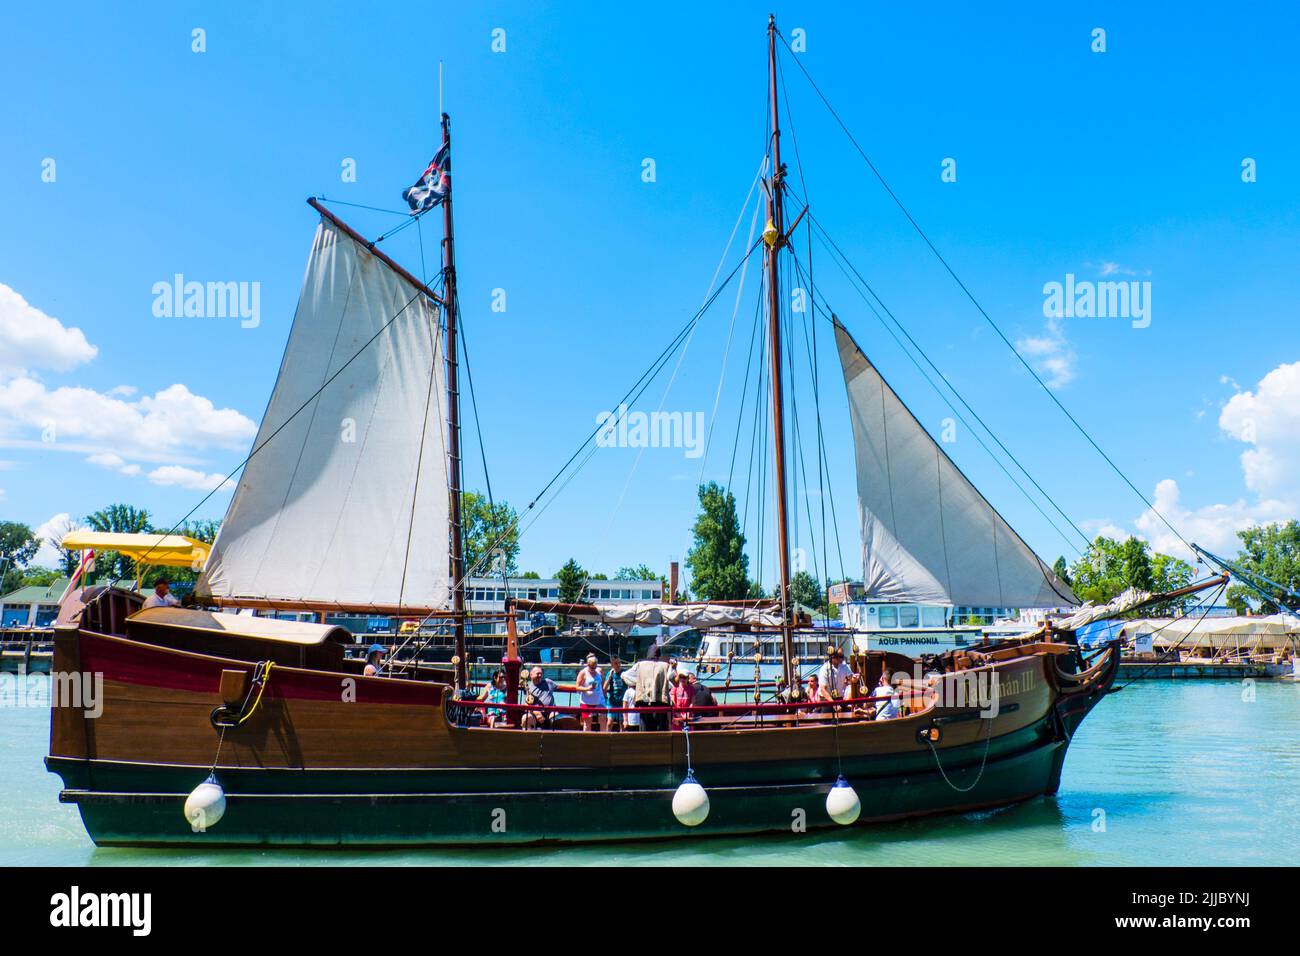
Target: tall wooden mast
{"points": [[457, 551], [775, 236]]}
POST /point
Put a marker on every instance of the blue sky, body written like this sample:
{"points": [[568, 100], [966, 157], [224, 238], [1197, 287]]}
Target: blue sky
{"points": [[1125, 164]]}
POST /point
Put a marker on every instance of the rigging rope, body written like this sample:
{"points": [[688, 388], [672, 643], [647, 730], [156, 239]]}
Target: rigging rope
{"points": [[681, 357], [1209, 604], [629, 398], [971, 296], [846, 266]]}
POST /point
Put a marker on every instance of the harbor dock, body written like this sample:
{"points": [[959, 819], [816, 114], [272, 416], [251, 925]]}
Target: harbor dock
{"points": [[26, 652]]}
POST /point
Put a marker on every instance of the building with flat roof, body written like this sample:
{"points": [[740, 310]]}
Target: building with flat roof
{"points": [[489, 595], [36, 605]]}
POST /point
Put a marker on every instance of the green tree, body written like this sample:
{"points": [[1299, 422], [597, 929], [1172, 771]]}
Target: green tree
{"points": [[18, 545], [805, 589], [39, 576], [1061, 570], [573, 583], [119, 518], [1110, 567], [717, 561], [487, 527], [1272, 550], [640, 572], [530, 576]]}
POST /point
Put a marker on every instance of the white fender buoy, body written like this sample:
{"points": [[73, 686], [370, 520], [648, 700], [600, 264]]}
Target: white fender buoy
{"points": [[206, 805], [842, 803], [690, 803]]}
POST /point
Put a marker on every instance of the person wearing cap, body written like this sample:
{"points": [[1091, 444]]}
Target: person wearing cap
{"points": [[160, 596], [835, 680], [591, 693], [374, 661]]}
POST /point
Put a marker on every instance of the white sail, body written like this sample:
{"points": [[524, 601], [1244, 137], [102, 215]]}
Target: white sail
{"points": [[928, 535], [348, 502]]}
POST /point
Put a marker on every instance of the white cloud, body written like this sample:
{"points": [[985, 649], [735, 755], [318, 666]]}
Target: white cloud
{"points": [[50, 534], [1050, 354], [1268, 419], [31, 339], [153, 425], [1115, 268], [1213, 527], [175, 475], [1104, 528], [114, 462]]}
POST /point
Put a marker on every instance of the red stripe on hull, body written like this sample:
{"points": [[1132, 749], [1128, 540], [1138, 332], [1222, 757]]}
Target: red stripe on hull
{"points": [[126, 661]]}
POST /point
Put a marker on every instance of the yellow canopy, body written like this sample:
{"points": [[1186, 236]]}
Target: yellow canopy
{"points": [[169, 550]]}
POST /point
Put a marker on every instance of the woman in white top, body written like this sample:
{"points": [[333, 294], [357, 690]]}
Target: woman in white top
{"points": [[591, 691]]}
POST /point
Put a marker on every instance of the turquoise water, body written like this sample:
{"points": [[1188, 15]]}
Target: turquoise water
{"points": [[1166, 772]]}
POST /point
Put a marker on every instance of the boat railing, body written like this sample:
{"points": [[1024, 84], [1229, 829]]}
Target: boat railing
{"points": [[848, 708]]}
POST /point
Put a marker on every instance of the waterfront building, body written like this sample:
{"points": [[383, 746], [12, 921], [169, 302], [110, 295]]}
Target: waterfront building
{"points": [[488, 594], [36, 605]]}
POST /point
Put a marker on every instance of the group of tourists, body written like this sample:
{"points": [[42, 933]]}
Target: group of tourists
{"points": [[654, 694], [836, 682]]}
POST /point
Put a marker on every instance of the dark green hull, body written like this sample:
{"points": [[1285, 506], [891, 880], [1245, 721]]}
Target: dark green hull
{"points": [[139, 804]]}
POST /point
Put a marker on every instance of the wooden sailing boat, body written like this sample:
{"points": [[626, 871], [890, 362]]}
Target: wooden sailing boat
{"points": [[298, 747]]}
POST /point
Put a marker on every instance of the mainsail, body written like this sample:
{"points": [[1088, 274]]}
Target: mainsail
{"points": [[345, 501], [927, 534]]}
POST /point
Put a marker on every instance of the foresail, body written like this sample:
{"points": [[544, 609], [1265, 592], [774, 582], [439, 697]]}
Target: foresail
{"points": [[346, 499], [928, 535]]}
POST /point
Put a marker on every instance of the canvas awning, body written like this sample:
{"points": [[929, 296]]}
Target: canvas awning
{"points": [[168, 550], [1271, 625], [692, 615], [303, 633]]}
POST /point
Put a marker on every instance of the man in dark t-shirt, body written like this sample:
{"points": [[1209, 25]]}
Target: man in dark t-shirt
{"points": [[541, 691], [703, 696]]}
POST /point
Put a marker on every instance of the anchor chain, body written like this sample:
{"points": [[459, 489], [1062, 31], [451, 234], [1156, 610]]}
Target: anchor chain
{"points": [[988, 740]]}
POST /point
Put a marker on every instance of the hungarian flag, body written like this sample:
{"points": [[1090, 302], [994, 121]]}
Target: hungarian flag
{"points": [[84, 567], [432, 186]]}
